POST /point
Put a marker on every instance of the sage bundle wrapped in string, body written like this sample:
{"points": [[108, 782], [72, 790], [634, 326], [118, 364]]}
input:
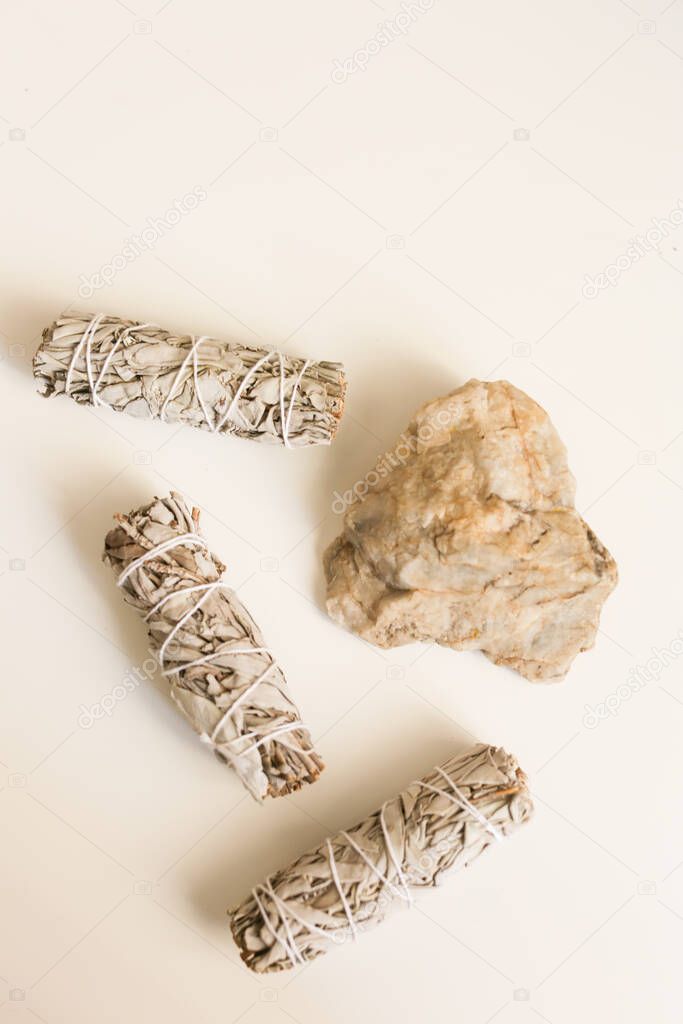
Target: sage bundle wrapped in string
{"points": [[353, 880], [222, 676], [222, 387]]}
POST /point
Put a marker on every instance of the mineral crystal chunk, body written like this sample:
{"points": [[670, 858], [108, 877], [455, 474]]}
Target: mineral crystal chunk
{"points": [[467, 535]]}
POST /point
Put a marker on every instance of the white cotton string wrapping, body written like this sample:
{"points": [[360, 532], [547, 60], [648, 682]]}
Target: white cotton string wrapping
{"points": [[488, 825], [340, 889], [85, 342], [245, 694], [285, 418], [392, 854], [86, 339], [242, 387], [191, 356], [290, 945], [403, 893], [268, 737], [125, 333], [288, 419], [220, 651], [411, 842], [398, 893], [223, 677], [160, 549], [289, 949]]}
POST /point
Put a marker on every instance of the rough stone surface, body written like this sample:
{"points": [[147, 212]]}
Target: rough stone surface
{"points": [[470, 538]]}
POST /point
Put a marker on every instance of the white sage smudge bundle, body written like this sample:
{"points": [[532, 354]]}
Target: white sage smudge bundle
{"points": [[222, 676], [223, 387], [353, 880]]}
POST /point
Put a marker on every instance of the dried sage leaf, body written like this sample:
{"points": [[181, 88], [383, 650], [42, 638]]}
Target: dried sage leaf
{"points": [[222, 676]]}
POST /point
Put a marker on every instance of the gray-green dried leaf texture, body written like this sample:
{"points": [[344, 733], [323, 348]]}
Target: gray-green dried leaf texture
{"points": [[133, 368], [470, 538], [205, 693], [435, 826]]}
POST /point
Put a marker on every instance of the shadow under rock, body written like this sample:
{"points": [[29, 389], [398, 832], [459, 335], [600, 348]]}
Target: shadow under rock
{"points": [[380, 403], [375, 416]]}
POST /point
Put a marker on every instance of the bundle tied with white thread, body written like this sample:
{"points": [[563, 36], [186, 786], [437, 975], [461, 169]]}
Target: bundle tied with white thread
{"points": [[352, 881], [222, 387], [222, 676]]}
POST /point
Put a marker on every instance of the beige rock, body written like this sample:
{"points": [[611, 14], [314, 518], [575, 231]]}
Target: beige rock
{"points": [[470, 538]]}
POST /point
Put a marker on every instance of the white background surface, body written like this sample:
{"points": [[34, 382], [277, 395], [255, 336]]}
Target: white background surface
{"points": [[122, 110]]}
